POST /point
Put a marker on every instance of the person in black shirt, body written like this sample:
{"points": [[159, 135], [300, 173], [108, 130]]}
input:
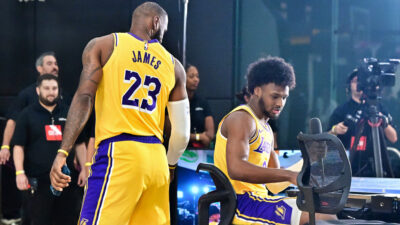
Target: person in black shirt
{"points": [[36, 139], [201, 121], [362, 156], [11, 199], [46, 63]]}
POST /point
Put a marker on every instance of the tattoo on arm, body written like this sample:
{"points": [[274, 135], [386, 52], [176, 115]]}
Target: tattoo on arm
{"points": [[88, 70], [83, 101], [87, 75], [77, 116], [90, 46]]}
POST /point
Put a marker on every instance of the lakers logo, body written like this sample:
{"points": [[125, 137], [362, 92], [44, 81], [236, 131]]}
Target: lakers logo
{"points": [[280, 211], [264, 146], [84, 222]]}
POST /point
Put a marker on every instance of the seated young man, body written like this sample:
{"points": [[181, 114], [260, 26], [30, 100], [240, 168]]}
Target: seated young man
{"points": [[244, 147]]}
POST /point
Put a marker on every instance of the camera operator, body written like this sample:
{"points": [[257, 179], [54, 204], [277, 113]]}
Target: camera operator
{"points": [[345, 123]]}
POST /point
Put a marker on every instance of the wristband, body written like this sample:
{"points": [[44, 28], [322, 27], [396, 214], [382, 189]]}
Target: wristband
{"points": [[197, 137], [63, 151], [18, 172], [88, 164], [5, 146], [333, 129], [172, 167]]}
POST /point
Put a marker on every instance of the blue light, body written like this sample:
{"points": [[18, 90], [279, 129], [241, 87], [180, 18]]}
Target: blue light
{"points": [[195, 189], [206, 189], [180, 194]]}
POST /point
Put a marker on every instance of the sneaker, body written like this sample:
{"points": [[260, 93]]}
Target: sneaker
{"points": [[11, 221]]}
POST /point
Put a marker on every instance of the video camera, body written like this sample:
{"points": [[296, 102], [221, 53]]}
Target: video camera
{"points": [[373, 75]]}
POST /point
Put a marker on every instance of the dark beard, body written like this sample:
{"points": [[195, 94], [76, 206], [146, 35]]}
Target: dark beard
{"points": [[45, 102], [264, 112], [157, 35]]}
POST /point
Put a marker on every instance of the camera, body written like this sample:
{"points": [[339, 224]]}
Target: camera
{"points": [[373, 75]]}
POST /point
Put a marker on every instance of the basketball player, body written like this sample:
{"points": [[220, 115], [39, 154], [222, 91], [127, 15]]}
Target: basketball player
{"points": [[135, 79], [244, 147]]}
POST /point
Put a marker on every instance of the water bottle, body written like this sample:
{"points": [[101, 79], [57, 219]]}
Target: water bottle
{"points": [[65, 171]]}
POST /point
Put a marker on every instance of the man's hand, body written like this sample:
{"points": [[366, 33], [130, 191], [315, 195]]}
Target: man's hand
{"points": [[386, 120], [82, 177], [339, 128], [22, 182], [4, 155], [57, 178]]}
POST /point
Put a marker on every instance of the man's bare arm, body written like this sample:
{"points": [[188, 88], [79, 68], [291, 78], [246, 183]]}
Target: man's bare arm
{"points": [[94, 57], [391, 134], [19, 156], [83, 100], [90, 150], [238, 127], [179, 91], [8, 133], [179, 115], [21, 178], [209, 129], [80, 150], [273, 160]]}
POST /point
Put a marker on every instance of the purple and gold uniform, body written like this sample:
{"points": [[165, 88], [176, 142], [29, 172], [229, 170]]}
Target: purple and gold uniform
{"points": [[129, 179], [254, 205]]}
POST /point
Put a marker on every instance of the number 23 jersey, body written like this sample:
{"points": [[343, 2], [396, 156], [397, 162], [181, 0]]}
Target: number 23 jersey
{"points": [[134, 90]]}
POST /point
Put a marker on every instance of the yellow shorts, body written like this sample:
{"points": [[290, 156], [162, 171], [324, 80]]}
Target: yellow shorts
{"points": [[128, 183]]}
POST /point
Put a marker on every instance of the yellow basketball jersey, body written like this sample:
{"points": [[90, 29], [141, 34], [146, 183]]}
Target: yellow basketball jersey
{"points": [[133, 93], [260, 149]]}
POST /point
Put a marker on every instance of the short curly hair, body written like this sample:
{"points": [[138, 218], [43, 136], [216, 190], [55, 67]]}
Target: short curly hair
{"points": [[270, 70]]}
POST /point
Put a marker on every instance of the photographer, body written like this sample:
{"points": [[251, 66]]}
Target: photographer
{"points": [[345, 123]]}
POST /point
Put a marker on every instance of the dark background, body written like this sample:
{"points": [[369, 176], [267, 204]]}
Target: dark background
{"points": [[323, 39]]}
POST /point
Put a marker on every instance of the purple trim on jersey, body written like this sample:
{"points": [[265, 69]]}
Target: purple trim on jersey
{"points": [[116, 39], [260, 211], [255, 139], [98, 179], [153, 41], [172, 58], [150, 41], [130, 137]]}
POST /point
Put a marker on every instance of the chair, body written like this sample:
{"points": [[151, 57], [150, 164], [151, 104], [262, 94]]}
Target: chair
{"points": [[224, 193], [325, 178], [394, 157]]}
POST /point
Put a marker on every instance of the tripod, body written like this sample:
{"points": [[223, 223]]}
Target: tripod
{"points": [[374, 120]]}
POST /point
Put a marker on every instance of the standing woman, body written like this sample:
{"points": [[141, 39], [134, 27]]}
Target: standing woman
{"points": [[202, 129]]}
